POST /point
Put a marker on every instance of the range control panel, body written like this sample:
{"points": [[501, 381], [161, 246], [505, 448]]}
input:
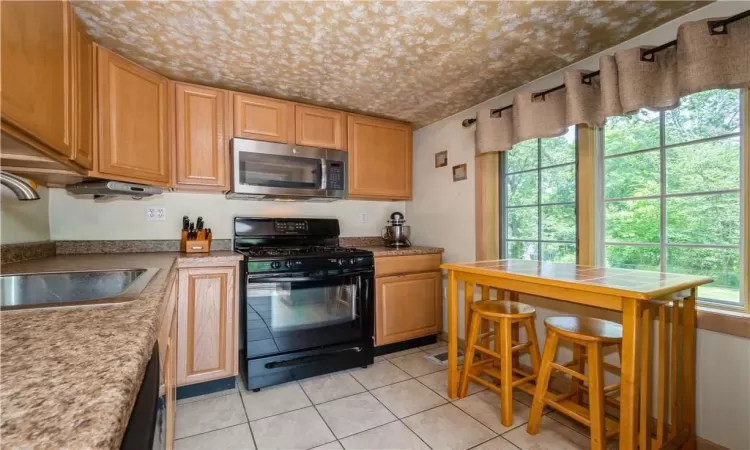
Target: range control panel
{"points": [[294, 226]]}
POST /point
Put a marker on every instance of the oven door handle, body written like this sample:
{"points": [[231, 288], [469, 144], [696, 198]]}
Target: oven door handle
{"points": [[265, 278]]}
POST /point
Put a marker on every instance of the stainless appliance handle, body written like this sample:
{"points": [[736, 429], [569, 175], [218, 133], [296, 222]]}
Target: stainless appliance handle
{"points": [[261, 278], [323, 174]]}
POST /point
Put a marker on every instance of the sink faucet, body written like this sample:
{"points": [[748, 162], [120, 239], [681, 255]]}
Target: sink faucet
{"points": [[24, 190]]}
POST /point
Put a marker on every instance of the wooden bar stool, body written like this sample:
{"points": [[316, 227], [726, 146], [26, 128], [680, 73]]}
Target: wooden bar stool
{"points": [[593, 335], [504, 315]]}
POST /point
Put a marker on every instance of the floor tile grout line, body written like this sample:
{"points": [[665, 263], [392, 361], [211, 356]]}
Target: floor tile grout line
{"points": [[321, 415], [567, 426], [211, 431], [369, 429], [250, 427]]}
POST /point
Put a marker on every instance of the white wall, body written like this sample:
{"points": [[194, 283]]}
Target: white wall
{"points": [[76, 218], [24, 221], [442, 214]]}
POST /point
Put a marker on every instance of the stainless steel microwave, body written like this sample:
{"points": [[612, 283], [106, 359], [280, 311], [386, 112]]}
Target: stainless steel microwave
{"points": [[271, 171]]}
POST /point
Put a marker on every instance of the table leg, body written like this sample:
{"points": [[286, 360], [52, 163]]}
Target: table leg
{"points": [[629, 376], [468, 300], [452, 334], [646, 371], [689, 320]]}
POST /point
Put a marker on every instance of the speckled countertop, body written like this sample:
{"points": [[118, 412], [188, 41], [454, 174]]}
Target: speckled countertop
{"points": [[69, 376], [390, 251]]}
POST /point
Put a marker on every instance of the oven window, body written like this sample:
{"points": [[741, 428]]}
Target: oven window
{"points": [[294, 306], [293, 172]]}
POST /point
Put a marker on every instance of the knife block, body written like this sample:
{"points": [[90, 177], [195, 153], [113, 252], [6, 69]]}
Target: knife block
{"points": [[200, 245]]}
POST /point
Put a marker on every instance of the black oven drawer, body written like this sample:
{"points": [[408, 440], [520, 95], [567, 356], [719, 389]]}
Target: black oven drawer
{"points": [[281, 368]]}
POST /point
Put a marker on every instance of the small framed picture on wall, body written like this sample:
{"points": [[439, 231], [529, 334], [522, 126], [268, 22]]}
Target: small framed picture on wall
{"points": [[441, 159], [459, 172]]}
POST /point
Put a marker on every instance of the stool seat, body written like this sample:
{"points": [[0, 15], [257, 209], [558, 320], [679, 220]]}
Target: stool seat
{"points": [[585, 328], [503, 309]]}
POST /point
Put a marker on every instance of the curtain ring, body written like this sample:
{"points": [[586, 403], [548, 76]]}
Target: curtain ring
{"points": [[498, 113], [717, 27], [585, 80]]}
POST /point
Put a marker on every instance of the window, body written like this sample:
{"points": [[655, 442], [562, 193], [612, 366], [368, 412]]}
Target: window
{"points": [[539, 199], [671, 185]]}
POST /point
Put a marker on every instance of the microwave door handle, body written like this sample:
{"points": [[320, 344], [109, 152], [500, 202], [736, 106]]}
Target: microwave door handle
{"points": [[323, 174]]}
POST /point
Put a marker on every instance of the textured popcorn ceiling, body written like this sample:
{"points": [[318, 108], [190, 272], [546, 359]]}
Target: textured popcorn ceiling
{"points": [[410, 60]]}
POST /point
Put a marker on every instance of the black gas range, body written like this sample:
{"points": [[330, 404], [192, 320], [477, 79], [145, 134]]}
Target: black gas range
{"points": [[307, 302]]}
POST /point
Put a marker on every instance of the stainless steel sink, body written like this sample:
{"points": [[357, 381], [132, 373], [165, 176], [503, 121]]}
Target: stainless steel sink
{"points": [[53, 289]]}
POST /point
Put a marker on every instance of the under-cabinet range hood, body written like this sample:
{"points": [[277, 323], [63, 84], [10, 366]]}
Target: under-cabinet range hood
{"points": [[104, 188]]}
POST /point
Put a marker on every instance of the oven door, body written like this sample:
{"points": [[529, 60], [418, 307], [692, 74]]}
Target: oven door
{"points": [[290, 312]]}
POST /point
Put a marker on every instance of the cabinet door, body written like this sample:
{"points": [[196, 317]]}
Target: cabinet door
{"points": [[320, 127], [37, 70], [379, 158], [262, 118], [83, 151], [202, 156], [408, 307], [206, 325], [133, 120]]}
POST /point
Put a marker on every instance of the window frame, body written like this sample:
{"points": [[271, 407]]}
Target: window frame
{"points": [[503, 203], [601, 242]]}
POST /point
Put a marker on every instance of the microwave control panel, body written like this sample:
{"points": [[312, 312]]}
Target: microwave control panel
{"points": [[335, 176]]}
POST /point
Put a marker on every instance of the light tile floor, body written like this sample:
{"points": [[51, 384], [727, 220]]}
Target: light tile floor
{"points": [[400, 402]]}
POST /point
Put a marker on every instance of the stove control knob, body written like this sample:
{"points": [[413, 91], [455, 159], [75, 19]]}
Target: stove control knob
{"points": [[276, 265], [289, 264], [352, 260], [342, 261]]}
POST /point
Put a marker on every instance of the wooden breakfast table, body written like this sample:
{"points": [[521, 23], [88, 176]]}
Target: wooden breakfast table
{"points": [[641, 296]]}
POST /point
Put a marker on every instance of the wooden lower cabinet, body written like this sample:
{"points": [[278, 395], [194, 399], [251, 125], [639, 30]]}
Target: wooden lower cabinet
{"points": [[206, 324], [408, 306]]}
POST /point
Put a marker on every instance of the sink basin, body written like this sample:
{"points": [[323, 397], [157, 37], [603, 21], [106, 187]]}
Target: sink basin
{"points": [[53, 289]]}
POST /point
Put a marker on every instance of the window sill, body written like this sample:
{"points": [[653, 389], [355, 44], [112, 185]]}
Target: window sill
{"points": [[734, 323]]}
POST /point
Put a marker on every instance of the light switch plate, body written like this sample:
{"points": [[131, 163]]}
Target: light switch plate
{"points": [[363, 217], [156, 213]]}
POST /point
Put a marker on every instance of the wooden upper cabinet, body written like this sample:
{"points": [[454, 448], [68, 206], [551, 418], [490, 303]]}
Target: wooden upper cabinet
{"points": [[202, 150], [320, 127], [37, 49], [380, 158], [408, 307], [262, 118], [83, 150], [206, 325], [133, 121]]}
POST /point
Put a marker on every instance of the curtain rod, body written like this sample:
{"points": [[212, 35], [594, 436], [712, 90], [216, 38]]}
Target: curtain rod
{"points": [[714, 27]]}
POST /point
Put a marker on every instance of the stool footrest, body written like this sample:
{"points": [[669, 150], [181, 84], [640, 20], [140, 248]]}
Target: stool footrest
{"points": [[611, 368], [570, 372], [581, 414], [523, 380]]}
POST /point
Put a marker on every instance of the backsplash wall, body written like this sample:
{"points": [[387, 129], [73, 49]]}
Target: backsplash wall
{"points": [[24, 221], [76, 218]]}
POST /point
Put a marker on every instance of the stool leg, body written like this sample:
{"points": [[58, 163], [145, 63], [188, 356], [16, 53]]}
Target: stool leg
{"points": [[596, 396], [576, 384], [542, 382], [463, 387], [536, 359], [506, 371]]}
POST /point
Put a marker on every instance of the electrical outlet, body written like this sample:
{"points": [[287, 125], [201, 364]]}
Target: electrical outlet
{"points": [[154, 213], [363, 217]]}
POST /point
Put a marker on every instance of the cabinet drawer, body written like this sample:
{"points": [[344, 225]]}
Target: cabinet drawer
{"points": [[393, 265], [408, 307]]}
